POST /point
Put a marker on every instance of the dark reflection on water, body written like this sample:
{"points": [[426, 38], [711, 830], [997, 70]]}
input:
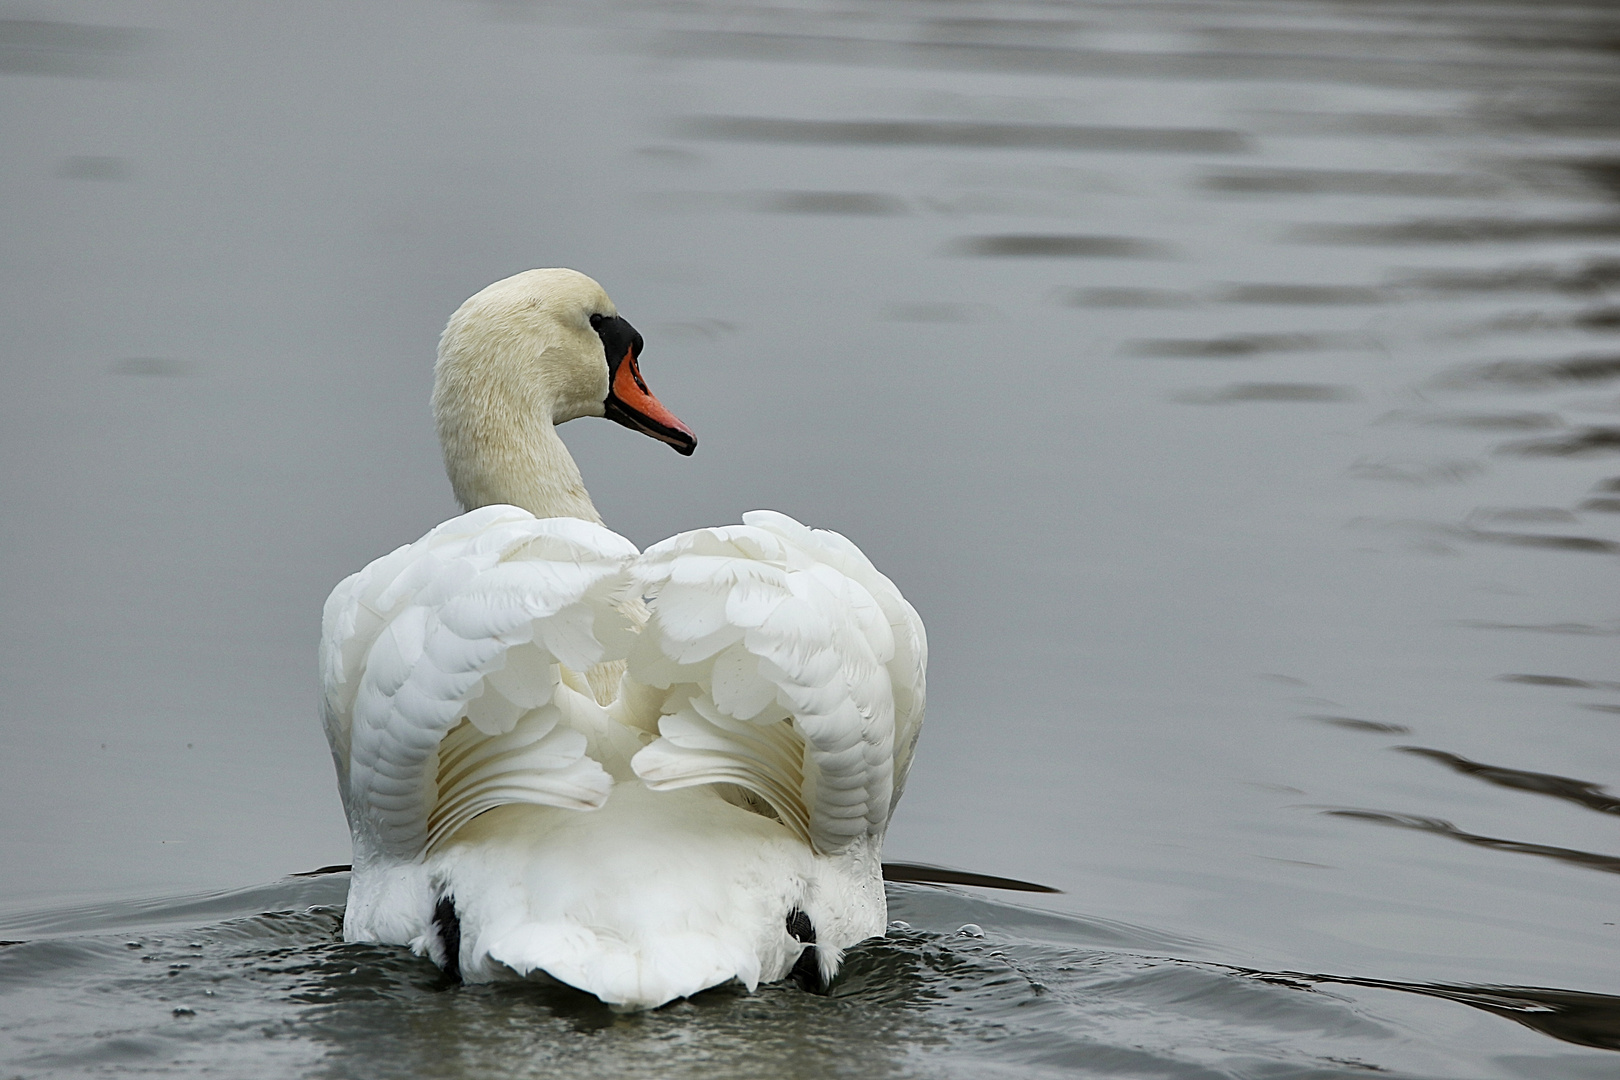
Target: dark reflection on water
{"points": [[1238, 392], [1484, 230], [1377, 727], [1581, 792], [1344, 182], [1556, 680], [1583, 442], [94, 167], [1592, 275], [1237, 346], [940, 875], [1576, 628], [1259, 60], [1536, 374], [1129, 298], [1582, 1019], [978, 135], [1039, 246], [1515, 421], [1589, 860], [834, 202], [39, 47], [1599, 320], [1589, 544], [1301, 294]]}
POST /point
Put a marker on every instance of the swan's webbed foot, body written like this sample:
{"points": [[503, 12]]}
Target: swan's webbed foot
{"points": [[447, 925], [806, 973]]}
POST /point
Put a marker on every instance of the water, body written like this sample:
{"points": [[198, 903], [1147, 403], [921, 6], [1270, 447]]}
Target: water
{"points": [[1036, 994], [1231, 386]]}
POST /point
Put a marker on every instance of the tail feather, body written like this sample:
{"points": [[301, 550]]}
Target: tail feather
{"points": [[655, 896], [629, 973]]}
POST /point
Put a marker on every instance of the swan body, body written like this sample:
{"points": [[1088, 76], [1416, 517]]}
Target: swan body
{"points": [[640, 774]]}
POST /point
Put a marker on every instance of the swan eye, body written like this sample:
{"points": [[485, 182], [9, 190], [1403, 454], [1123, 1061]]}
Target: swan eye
{"points": [[597, 321]]}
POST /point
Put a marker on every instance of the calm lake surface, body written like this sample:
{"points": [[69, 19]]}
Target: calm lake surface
{"points": [[1233, 387]]}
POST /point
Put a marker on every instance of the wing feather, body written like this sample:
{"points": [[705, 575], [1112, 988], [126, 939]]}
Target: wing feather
{"points": [[796, 672], [439, 669]]}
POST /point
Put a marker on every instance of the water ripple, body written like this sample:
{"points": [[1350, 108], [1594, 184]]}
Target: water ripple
{"points": [[1031, 991]]}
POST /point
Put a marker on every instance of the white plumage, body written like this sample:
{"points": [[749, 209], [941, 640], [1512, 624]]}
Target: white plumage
{"points": [[640, 774]]}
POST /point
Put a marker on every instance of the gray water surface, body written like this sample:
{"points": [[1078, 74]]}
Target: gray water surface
{"points": [[1233, 387]]}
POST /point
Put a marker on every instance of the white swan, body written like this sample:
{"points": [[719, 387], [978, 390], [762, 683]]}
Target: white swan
{"points": [[641, 774]]}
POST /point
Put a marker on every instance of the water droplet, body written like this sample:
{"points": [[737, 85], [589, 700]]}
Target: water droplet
{"points": [[899, 926], [132, 944], [195, 945], [184, 1010], [970, 930]]}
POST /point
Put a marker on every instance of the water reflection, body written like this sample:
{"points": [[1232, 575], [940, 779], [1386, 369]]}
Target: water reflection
{"points": [[1300, 181], [1301, 294], [1439, 827], [1596, 320], [1055, 246], [1582, 442], [1582, 1019], [1128, 298], [40, 47], [1580, 792], [1238, 345], [938, 312], [1535, 374], [1487, 421], [1591, 275], [1556, 680], [1239, 392], [1247, 54], [1471, 230], [94, 167], [978, 135], [1587, 544], [1376, 727], [860, 203]]}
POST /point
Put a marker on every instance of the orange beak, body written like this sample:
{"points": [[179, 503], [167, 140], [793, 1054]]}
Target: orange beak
{"points": [[630, 403]]}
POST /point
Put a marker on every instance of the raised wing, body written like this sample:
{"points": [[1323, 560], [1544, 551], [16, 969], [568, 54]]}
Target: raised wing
{"points": [[439, 666], [795, 669]]}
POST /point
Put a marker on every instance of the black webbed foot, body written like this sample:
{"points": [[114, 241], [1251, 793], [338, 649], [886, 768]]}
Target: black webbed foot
{"points": [[806, 973], [447, 924]]}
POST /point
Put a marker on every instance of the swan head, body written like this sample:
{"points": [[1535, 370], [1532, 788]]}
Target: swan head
{"points": [[529, 352]]}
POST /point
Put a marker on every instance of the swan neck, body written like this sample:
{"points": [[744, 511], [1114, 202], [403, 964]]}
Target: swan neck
{"points": [[527, 466]]}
